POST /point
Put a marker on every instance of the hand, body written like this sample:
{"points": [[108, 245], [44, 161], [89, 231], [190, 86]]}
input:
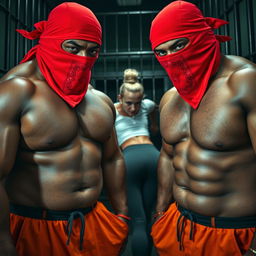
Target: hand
{"points": [[124, 218], [157, 216], [249, 253]]}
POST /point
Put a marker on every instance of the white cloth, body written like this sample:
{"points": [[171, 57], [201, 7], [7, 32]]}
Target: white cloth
{"points": [[128, 127]]}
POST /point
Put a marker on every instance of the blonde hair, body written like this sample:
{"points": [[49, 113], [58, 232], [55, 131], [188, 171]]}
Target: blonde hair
{"points": [[131, 76], [135, 87]]}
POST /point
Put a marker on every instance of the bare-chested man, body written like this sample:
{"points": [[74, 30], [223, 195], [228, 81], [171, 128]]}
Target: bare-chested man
{"points": [[58, 146], [208, 123]]}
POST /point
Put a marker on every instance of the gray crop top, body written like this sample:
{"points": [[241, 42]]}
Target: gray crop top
{"points": [[128, 127]]}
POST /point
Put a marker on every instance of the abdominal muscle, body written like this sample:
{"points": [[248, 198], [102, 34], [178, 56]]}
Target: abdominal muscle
{"points": [[62, 180], [141, 139], [216, 183]]}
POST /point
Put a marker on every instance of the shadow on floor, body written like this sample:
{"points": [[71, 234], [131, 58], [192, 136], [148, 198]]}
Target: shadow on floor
{"points": [[128, 252]]}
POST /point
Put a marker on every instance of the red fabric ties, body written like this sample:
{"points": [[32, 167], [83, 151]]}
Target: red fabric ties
{"points": [[67, 74], [190, 68]]}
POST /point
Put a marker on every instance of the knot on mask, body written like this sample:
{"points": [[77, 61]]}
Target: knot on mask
{"points": [[215, 23], [35, 34]]}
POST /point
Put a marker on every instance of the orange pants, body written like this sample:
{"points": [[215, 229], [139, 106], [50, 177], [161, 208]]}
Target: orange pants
{"points": [[104, 235], [205, 240]]}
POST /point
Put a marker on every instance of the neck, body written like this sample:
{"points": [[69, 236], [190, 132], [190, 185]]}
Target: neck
{"points": [[37, 71]]}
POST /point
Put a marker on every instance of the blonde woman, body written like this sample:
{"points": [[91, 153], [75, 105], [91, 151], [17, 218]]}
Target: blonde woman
{"points": [[141, 158]]}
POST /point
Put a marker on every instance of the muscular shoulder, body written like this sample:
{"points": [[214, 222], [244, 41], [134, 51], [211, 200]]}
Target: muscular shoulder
{"points": [[169, 97], [15, 91], [99, 101], [242, 81]]}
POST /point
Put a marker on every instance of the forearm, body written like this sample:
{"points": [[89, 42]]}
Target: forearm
{"points": [[114, 181], [5, 236], [165, 175]]}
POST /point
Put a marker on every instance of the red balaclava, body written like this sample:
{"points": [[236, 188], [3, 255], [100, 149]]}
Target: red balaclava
{"points": [[190, 68], [67, 74]]}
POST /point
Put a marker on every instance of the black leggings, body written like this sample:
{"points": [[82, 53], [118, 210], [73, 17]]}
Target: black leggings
{"points": [[141, 164]]}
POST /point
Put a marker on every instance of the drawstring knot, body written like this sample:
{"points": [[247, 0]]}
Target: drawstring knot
{"points": [[70, 225], [181, 225]]}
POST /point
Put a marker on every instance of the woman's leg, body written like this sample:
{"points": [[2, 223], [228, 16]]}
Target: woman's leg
{"points": [[140, 207]]}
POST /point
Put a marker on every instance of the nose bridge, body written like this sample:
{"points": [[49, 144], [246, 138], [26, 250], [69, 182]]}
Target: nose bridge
{"points": [[133, 106], [83, 53]]}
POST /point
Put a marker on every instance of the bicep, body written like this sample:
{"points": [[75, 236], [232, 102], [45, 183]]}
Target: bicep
{"points": [[110, 147], [13, 95], [251, 120], [9, 140]]}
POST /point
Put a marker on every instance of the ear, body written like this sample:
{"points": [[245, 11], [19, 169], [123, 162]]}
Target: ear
{"points": [[120, 97]]}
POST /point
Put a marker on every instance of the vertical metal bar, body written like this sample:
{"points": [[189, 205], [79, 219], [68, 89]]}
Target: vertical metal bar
{"points": [[210, 8], [141, 56], [104, 33], [104, 59], [226, 30], [154, 89], [237, 29], [128, 32], [46, 10], [116, 87], [8, 36], [39, 10], [116, 32], [129, 39], [33, 16], [217, 8], [249, 16], [140, 30], [26, 23], [17, 41], [116, 57], [203, 7]]}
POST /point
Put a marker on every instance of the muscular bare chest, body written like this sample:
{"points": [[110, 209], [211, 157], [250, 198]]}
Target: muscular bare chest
{"points": [[217, 124], [49, 123]]}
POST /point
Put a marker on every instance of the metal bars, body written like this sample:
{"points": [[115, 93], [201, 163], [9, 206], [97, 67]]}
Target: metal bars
{"points": [[126, 45], [17, 14], [241, 15]]}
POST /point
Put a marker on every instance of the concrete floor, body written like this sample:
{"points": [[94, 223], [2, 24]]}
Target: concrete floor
{"points": [[128, 252]]}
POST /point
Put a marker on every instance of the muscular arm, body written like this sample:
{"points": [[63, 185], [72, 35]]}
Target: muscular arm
{"points": [[114, 175], [165, 173], [153, 120], [12, 95], [246, 79], [165, 170]]}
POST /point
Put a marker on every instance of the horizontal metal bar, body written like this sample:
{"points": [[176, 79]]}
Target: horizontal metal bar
{"points": [[119, 75], [126, 13], [126, 53]]}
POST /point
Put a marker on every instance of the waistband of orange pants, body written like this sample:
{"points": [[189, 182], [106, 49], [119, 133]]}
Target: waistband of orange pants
{"points": [[41, 213]]}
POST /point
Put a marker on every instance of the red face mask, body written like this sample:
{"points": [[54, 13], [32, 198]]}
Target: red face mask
{"points": [[67, 74], [190, 68]]}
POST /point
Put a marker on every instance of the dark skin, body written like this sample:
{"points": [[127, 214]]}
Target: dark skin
{"points": [[54, 156], [208, 161]]}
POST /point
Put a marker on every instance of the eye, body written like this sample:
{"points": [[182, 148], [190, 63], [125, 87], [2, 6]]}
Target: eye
{"points": [[179, 46], [160, 52], [93, 52], [71, 49]]}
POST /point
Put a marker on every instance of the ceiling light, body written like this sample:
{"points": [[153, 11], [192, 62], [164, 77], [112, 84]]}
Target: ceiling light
{"points": [[129, 2]]}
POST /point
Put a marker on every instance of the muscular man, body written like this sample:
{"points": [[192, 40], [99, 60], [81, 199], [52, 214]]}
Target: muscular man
{"points": [[208, 123], [58, 146]]}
